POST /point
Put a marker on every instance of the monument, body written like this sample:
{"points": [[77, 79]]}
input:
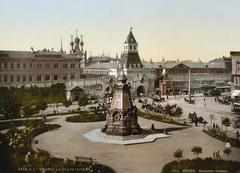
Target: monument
{"points": [[121, 118]]}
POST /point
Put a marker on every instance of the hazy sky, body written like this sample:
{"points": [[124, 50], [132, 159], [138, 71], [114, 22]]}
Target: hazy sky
{"points": [[174, 29]]}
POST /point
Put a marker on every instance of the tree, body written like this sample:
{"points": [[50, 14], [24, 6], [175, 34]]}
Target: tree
{"points": [[226, 122], [178, 112], [216, 156], [227, 151], [83, 101], [11, 107], [178, 154], [67, 103], [196, 150], [168, 109]]}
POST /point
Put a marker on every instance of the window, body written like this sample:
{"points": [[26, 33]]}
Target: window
{"points": [[55, 65], [29, 78], [30, 65], [18, 65], [24, 78], [12, 65], [64, 65], [39, 65], [5, 65], [47, 65], [12, 78], [130, 47], [0, 78], [55, 77], [24, 66], [72, 65], [134, 47], [72, 76], [5, 78], [39, 78], [18, 78], [47, 77]]}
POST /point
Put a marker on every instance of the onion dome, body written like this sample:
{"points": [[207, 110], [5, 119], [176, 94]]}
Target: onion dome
{"points": [[76, 40]]}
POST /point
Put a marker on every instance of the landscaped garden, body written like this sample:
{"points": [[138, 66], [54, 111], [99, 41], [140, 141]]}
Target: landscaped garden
{"points": [[26, 123], [210, 164], [160, 118], [17, 102], [17, 154]]}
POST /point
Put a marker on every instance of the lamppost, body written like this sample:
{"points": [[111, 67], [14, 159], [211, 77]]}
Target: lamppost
{"points": [[228, 145]]}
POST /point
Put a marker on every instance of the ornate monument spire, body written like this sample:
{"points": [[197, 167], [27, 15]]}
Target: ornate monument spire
{"points": [[121, 118]]}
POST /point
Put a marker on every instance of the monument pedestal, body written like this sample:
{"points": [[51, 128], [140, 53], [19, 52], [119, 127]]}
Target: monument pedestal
{"points": [[121, 118]]}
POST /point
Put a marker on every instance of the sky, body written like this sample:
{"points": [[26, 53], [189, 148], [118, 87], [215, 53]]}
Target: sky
{"points": [[173, 29]]}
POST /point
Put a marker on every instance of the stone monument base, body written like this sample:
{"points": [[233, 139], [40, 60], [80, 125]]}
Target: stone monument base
{"points": [[122, 130], [97, 135]]}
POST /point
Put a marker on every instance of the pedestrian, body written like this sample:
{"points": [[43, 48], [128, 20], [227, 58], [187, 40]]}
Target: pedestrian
{"points": [[196, 122]]}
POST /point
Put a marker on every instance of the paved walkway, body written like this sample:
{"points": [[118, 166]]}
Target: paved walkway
{"points": [[212, 107], [68, 142]]}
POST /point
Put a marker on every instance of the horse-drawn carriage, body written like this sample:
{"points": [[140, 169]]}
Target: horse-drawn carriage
{"points": [[189, 100], [225, 100]]}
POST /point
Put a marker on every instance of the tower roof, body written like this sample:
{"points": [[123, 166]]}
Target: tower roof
{"points": [[130, 38]]}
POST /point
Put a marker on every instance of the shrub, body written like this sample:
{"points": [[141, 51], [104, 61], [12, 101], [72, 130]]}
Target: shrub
{"points": [[67, 103], [91, 117]]}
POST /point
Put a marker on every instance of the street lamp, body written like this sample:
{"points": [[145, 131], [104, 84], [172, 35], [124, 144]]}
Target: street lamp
{"points": [[228, 145]]}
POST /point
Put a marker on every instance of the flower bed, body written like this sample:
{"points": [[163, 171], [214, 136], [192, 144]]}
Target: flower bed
{"points": [[160, 118], [86, 117], [18, 156], [201, 164]]}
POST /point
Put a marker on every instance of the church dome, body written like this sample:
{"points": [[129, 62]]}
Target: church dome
{"points": [[77, 40]]}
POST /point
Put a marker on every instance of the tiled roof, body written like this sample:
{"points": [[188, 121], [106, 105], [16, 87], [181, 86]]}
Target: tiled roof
{"points": [[190, 64]]}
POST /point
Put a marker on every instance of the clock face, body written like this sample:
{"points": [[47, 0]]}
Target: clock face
{"points": [[131, 39]]}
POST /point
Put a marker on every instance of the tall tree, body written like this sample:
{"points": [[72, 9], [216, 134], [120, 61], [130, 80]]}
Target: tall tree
{"points": [[11, 107], [226, 122], [178, 112], [196, 150], [227, 151], [178, 154]]}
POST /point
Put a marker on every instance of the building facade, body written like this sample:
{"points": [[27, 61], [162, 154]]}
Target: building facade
{"points": [[42, 68], [201, 76], [235, 80]]}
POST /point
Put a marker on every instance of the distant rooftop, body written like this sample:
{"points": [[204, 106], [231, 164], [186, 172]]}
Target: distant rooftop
{"points": [[107, 65], [34, 54], [191, 64]]}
